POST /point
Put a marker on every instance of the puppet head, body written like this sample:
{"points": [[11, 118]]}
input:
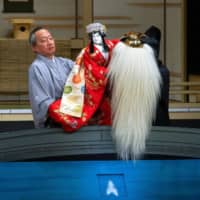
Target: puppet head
{"points": [[95, 28]]}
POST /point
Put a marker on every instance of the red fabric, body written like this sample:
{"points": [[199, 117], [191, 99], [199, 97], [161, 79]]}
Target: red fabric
{"points": [[96, 101]]}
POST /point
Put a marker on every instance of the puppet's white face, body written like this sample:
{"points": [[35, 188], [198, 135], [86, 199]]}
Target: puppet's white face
{"points": [[97, 39]]}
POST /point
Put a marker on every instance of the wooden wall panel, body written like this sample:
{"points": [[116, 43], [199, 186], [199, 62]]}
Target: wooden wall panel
{"points": [[15, 58]]}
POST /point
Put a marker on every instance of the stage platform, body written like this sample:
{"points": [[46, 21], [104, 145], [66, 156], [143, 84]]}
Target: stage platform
{"points": [[38, 164], [101, 180]]}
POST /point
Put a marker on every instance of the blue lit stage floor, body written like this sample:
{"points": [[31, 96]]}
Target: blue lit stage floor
{"points": [[85, 180]]}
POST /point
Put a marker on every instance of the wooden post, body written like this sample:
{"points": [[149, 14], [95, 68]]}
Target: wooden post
{"points": [[87, 16]]}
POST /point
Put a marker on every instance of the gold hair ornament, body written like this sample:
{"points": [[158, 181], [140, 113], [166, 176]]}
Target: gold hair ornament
{"points": [[132, 39]]}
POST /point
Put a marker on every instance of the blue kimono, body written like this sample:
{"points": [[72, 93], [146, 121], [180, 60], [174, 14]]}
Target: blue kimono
{"points": [[46, 83]]}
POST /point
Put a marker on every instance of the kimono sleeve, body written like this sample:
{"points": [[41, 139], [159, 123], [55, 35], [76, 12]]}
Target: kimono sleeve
{"points": [[40, 94]]}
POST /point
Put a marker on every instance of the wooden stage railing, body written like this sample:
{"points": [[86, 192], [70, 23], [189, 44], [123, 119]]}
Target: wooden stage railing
{"points": [[38, 144], [185, 88], [187, 103]]}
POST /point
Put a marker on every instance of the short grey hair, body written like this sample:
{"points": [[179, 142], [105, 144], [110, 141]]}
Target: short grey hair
{"points": [[32, 37]]}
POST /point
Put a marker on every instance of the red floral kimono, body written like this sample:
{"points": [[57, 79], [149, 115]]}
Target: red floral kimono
{"points": [[96, 107]]}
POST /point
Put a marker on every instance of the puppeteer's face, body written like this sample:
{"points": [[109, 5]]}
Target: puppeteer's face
{"points": [[97, 39], [45, 44]]}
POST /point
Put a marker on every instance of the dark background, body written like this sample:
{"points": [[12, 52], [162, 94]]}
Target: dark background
{"points": [[193, 37]]}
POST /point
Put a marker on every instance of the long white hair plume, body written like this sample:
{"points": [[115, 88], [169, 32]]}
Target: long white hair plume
{"points": [[135, 84]]}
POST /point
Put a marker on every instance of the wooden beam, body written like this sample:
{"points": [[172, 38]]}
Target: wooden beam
{"points": [[154, 4]]}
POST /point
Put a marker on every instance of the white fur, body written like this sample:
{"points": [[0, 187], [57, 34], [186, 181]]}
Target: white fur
{"points": [[135, 82]]}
